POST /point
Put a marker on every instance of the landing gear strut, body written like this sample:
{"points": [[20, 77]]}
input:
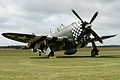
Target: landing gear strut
{"points": [[51, 55], [94, 51]]}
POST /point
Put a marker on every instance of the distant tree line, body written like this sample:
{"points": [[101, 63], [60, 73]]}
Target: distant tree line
{"points": [[13, 46], [107, 46], [24, 47]]}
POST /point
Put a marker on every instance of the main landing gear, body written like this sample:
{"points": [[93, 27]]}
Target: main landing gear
{"points": [[95, 51], [51, 55]]}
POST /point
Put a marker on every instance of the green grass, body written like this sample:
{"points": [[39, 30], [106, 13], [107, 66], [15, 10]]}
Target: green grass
{"points": [[26, 65]]}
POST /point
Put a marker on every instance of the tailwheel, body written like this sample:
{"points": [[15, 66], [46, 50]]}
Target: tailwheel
{"points": [[94, 52]]}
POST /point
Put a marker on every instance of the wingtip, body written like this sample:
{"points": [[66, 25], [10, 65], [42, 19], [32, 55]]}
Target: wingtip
{"points": [[114, 35], [4, 34]]}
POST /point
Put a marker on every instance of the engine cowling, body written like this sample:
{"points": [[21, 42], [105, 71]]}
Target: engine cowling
{"points": [[70, 51]]}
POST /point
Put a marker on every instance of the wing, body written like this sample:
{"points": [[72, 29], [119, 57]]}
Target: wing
{"points": [[19, 37], [94, 39], [25, 38], [103, 37], [37, 41]]}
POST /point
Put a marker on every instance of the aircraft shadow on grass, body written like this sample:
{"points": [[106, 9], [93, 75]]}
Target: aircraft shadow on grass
{"points": [[105, 56]]}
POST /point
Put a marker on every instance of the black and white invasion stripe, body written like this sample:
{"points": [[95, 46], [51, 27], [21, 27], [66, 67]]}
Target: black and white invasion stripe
{"points": [[38, 40]]}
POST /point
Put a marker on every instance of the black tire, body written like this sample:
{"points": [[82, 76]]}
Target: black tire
{"points": [[39, 54], [94, 52]]}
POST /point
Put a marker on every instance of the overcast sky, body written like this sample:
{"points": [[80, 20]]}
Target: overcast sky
{"points": [[38, 16]]}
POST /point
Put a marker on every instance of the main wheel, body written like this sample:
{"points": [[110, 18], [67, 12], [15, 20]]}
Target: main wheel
{"points": [[94, 52], [39, 54]]}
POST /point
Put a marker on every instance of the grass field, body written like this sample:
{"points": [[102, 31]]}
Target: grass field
{"points": [[26, 65]]}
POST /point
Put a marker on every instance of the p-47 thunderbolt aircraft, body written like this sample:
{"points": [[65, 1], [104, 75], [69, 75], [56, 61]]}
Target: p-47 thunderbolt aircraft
{"points": [[68, 38]]}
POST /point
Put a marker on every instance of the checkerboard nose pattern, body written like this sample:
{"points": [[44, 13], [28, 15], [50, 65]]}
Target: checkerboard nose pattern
{"points": [[76, 31]]}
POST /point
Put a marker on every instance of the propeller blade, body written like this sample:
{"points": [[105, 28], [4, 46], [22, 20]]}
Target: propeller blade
{"points": [[77, 15], [93, 18], [96, 36]]}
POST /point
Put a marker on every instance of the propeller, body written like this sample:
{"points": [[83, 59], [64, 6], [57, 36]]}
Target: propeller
{"points": [[96, 36], [77, 15], [93, 18], [87, 26]]}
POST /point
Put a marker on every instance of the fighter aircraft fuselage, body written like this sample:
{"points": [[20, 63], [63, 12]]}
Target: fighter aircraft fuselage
{"points": [[64, 32]]}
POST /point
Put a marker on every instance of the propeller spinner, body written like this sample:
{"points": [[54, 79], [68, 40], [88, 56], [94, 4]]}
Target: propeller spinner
{"points": [[87, 29]]}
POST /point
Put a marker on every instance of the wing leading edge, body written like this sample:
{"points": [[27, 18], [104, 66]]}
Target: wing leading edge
{"points": [[25, 38]]}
